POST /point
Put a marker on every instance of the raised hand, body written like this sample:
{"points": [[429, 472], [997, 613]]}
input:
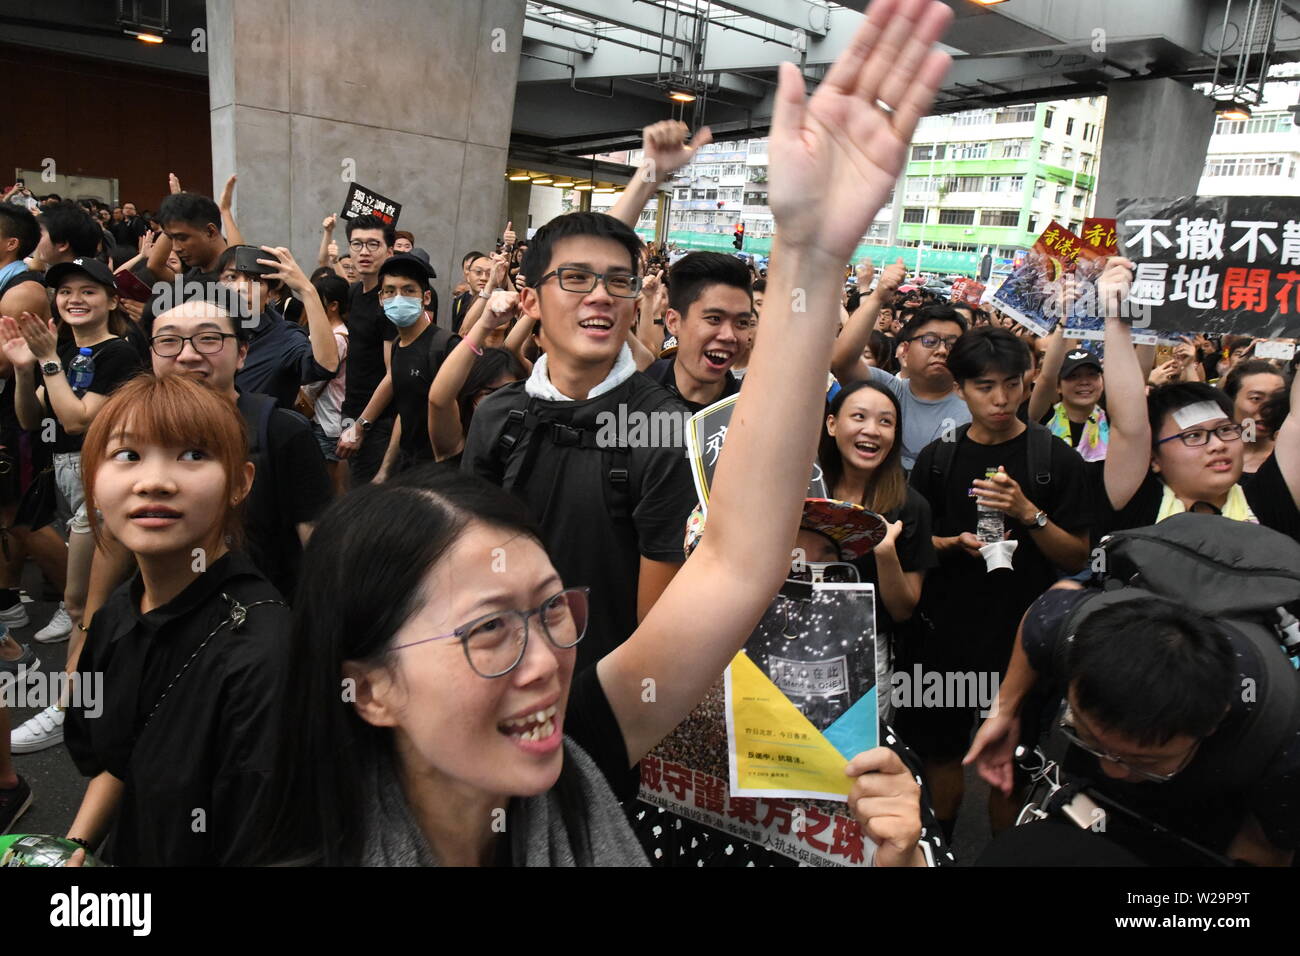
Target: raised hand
{"points": [[327, 224], [886, 800], [227, 194], [286, 268], [173, 184], [502, 306], [42, 336], [664, 144], [500, 269], [891, 278], [1113, 285], [14, 345], [866, 272], [835, 157], [508, 237]]}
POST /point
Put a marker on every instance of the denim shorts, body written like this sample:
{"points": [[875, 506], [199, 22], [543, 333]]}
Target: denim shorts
{"points": [[67, 478], [327, 444]]}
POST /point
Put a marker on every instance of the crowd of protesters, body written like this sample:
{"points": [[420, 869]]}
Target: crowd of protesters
{"points": [[357, 579]]}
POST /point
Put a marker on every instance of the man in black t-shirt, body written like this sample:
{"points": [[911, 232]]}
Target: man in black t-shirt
{"points": [[1163, 694], [611, 512], [291, 486], [192, 228], [711, 312], [128, 230], [974, 611], [418, 353], [368, 412]]}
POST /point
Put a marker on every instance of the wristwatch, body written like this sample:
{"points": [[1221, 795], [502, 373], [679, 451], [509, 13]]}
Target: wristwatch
{"points": [[484, 294], [1039, 520], [364, 425], [51, 368]]}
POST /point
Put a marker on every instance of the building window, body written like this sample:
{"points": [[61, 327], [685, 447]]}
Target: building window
{"points": [[1047, 118], [683, 194], [964, 184], [970, 151], [1077, 201], [1017, 184], [1060, 194], [1016, 114], [1038, 188], [1069, 126], [1043, 149], [1067, 156], [956, 217], [1000, 217], [914, 215], [1012, 148], [928, 152]]}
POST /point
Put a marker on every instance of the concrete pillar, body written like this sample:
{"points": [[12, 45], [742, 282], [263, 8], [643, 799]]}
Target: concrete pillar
{"points": [[1157, 132], [413, 98]]}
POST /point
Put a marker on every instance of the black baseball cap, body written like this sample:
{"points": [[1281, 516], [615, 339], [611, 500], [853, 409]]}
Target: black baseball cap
{"points": [[423, 256], [1077, 358], [404, 263], [97, 271]]}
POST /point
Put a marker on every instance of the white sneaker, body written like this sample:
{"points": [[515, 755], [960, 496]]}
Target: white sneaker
{"points": [[57, 630], [41, 732], [15, 616]]}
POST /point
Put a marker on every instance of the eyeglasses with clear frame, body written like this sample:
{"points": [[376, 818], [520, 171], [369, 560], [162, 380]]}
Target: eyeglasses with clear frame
{"points": [[621, 285], [205, 343], [495, 643], [1069, 729], [1195, 437]]}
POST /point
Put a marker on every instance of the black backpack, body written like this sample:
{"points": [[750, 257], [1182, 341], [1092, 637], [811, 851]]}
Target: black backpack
{"points": [[1246, 577]]}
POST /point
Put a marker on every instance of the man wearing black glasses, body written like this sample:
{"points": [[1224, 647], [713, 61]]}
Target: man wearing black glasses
{"points": [[368, 410], [1158, 708], [924, 388], [612, 505]]}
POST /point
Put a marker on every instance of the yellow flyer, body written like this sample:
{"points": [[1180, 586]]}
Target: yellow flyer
{"points": [[801, 696]]}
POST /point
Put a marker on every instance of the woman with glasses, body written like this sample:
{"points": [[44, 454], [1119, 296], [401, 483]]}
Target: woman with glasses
{"points": [[1185, 453], [436, 715], [180, 663]]}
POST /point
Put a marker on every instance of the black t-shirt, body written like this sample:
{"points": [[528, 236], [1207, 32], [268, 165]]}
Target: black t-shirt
{"points": [[460, 307], [915, 549], [290, 486], [1266, 493], [664, 371], [570, 492], [961, 596], [368, 330], [1076, 428], [116, 360], [590, 722], [210, 745], [8, 415], [414, 368], [1197, 803]]}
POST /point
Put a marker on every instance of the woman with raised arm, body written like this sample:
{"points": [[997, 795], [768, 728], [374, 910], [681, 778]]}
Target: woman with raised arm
{"points": [[435, 716], [1178, 448]]}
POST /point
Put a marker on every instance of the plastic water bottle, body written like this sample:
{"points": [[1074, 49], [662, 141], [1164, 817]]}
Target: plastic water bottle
{"points": [[990, 525], [81, 371]]}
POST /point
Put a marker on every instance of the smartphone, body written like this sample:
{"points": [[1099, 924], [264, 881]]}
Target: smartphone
{"points": [[131, 286], [246, 261]]}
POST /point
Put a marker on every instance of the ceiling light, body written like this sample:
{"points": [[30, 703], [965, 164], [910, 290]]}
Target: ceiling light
{"points": [[144, 37], [604, 189], [543, 181], [1232, 110], [519, 178], [583, 186], [567, 184], [681, 96]]}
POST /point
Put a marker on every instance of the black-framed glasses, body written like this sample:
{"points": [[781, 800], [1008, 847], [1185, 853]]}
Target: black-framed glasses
{"points": [[1194, 437], [621, 285], [932, 341], [495, 643], [370, 245], [824, 572], [1070, 731], [205, 343]]}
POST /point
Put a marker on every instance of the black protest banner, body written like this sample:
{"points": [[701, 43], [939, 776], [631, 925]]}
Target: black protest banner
{"points": [[1222, 265], [361, 201]]}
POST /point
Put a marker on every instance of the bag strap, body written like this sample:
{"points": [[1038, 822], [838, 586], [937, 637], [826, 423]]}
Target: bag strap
{"points": [[945, 452], [238, 615], [1038, 451]]}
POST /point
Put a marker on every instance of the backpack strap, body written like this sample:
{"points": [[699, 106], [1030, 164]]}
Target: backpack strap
{"points": [[1038, 450], [945, 452]]}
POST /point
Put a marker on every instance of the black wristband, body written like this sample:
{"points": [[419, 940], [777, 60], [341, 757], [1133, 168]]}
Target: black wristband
{"points": [[85, 844]]}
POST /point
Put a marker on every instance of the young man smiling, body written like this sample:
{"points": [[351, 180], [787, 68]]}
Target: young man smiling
{"points": [[612, 517], [1039, 486], [711, 311]]}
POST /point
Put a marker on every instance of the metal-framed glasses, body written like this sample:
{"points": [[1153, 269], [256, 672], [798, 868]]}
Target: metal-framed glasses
{"points": [[931, 341], [495, 643], [1195, 437], [621, 285], [1070, 731], [205, 343]]}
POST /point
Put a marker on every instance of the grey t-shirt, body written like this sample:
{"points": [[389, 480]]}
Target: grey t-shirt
{"points": [[923, 420]]}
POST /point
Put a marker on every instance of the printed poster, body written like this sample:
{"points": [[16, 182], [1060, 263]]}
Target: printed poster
{"points": [[361, 201]]}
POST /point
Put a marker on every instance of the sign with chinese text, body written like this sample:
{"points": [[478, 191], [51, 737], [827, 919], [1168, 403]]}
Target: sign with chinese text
{"points": [[1221, 265], [1100, 234], [361, 201], [966, 292], [1031, 294]]}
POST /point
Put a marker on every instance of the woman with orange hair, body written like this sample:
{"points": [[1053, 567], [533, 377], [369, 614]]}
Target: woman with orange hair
{"points": [[169, 710]]}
